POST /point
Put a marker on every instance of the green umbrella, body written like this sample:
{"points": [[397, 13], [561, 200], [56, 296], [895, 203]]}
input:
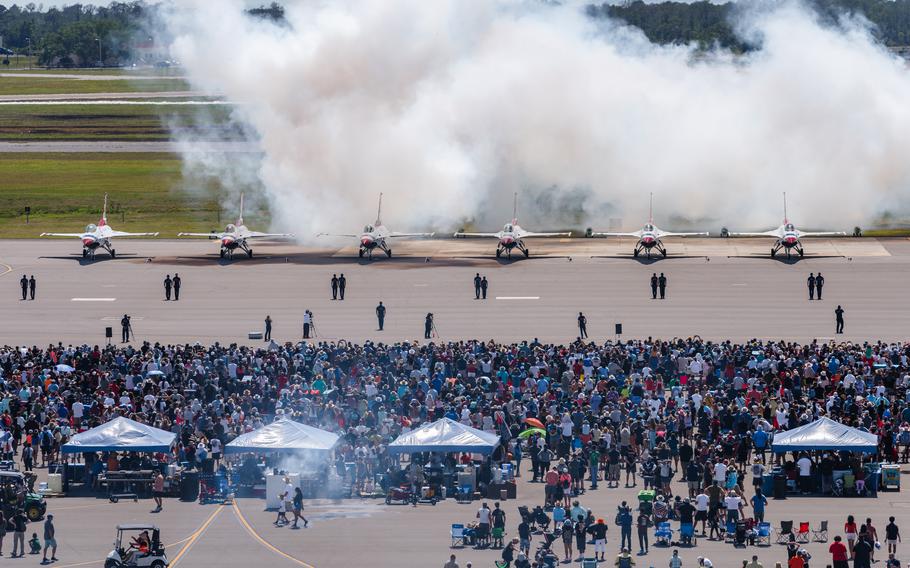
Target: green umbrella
{"points": [[530, 431]]}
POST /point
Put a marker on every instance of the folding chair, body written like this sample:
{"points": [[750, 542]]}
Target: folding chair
{"points": [[802, 535], [687, 534], [786, 529], [849, 485], [457, 535], [464, 494], [730, 531], [821, 535], [663, 536], [764, 534]]}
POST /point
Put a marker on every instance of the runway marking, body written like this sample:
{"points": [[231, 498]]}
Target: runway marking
{"points": [[421, 285], [93, 299], [102, 560], [195, 536], [264, 542], [7, 267], [738, 284], [517, 297]]}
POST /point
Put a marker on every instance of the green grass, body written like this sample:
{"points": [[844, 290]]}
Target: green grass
{"points": [[887, 232], [26, 85], [65, 192], [22, 123], [124, 71]]}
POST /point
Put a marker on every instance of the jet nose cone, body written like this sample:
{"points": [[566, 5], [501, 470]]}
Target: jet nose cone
{"points": [[648, 240], [227, 241], [88, 241], [790, 240], [507, 241], [366, 241]]}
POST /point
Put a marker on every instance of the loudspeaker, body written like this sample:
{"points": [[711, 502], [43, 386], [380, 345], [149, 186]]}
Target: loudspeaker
{"points": [[108, 332], [619, 329]]}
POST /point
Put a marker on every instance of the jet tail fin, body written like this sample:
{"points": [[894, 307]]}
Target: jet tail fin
{"points": [[515, 208], [104, 212], [240, 219], [785, 209], [379, 212]]}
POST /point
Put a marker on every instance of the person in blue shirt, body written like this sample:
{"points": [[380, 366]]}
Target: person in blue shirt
{"points": [[760, 441], [758, 505]]}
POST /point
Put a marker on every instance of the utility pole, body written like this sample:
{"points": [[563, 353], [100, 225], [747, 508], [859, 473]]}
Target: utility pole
{"points": [[29, 40], [100, 59]]}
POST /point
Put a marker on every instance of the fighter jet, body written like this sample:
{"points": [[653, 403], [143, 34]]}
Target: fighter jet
{"points": [[235, 236], [99, 235], [788, 236], [375, 236], [649, 237], [511, 236]]}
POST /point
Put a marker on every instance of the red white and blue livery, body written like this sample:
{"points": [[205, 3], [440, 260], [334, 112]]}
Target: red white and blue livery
{"points": [[235, 236], [788, 236], [650, 236]]}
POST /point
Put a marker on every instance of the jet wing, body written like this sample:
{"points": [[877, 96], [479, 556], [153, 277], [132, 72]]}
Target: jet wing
{"points": [[662, 234], [494, 235], [258, 235], [636, 234], [125, 234], [411, 234], [62, 234], [823, 234], [774, 234], [337, 235], [212, 236], [526, 235]]}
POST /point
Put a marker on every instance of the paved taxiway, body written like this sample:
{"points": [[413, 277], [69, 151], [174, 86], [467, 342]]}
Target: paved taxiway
{"points": [[717, 289]]}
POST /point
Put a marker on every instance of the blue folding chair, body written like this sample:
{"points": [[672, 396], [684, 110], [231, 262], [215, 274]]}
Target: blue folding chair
{"points": [[663, 536], [457, 535], [764, 534], [687, 534]]}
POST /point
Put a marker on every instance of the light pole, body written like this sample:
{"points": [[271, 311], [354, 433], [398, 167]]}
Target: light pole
{"points": [[29, 40], [100, 59]]}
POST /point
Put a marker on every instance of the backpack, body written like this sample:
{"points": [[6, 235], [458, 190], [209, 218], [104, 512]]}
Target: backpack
{"points": [[624, 562]]}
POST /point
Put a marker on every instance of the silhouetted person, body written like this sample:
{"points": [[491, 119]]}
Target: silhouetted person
{"points": [[483, 287], [334, 286], [477, 282], [582, 325], [654, 286], [342, 282], [23, 282], [268, 328], [177, 283], [307, 323], [125, 328], [167, 287], [839, 319], [662, 284], [428, 326], [32, 284], [819, 283], [380, 315], [811, 283]]}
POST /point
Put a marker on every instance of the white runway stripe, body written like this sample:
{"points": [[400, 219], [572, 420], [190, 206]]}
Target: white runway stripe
{"points": [[93, 299], [517, 297]]}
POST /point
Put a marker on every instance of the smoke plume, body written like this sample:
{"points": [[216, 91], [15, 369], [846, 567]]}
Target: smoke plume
{"points": [[450, 106]]}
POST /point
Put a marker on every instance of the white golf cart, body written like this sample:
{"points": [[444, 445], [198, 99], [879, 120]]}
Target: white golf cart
{"points": [[138, 552]]}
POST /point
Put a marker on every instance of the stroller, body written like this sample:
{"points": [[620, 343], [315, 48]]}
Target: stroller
{"points": [[544, 556]]}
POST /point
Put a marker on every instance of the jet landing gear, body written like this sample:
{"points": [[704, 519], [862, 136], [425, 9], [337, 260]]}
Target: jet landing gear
{"points": [[658, 245], [520, 246], [797, 247], [90, 253]]}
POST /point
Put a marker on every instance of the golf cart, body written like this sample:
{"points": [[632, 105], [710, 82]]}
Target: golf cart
{"points": [[135, 554], [15, 494]]}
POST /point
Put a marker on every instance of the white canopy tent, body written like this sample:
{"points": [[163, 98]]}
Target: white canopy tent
{"points": [[121, 435], [825, 434], [445, 435], [283, 435]]}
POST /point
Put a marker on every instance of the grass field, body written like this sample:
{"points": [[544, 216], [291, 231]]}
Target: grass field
{"points": [[26, 85], [65, 192], [23, 123]]}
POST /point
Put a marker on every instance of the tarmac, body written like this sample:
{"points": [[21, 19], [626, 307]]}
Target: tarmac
{"points": [[718, 289]]}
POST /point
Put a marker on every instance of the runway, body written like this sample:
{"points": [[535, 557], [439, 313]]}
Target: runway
{"points": [[718, 289]]}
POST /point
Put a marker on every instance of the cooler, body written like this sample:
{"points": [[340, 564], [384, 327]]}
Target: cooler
{"points": [[891, 477]]}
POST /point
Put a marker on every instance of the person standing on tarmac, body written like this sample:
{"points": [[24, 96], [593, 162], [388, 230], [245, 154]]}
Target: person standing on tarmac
{"points": [[477, 282], [810, 282], [428, 326], [819, 282], [125, 328], [582, 326], [380, 315], [483, 287], [654, 286], [662, 284], [167, 288], [839, 319], [23, 282], [342, 282], [177, 283], [32, 284], [307, 323], [268, 328], [334, 286]]}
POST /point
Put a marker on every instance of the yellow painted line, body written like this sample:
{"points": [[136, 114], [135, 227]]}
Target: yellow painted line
{"points": [[195, 536], [181, 541], [264, 542]]}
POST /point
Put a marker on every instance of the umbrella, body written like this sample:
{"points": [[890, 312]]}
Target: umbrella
{"points": [[61, 368], [534, 423], [155, 373], [527, 433]]}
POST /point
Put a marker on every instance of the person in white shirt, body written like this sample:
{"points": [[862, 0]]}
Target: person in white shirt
{"points": [[78, 411], [720, 473], [702, 501], [805, 473], [733, 504]]}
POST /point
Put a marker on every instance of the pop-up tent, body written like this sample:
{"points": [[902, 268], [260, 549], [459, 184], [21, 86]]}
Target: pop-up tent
{"points": [[445, 435], [121, 435], [283, 435], [825, 434]]}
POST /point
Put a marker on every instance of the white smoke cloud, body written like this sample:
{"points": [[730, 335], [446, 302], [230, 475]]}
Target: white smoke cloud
{"points": [[450, 106]]}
